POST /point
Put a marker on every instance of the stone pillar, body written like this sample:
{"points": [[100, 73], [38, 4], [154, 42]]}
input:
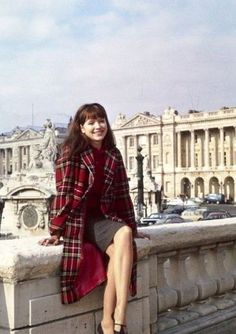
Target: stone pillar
{"points": [[124, 144], [234, 147], [179, 149], [6, 161], [221, 147], [1, 162], [206, 162], [192, 149]]}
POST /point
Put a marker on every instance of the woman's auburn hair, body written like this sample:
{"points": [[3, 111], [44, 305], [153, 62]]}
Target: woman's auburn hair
{"points": [[76, 142]]}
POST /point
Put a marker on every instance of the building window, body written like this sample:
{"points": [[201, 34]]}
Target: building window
{"points": [[155, 161], [210, 159], [24, 150], [142, 140], [155, 139], [167, 157], [167, 187], [195, 139], [131, 163], [131, 141], [225, 158], [196, 159], [24, 166]]}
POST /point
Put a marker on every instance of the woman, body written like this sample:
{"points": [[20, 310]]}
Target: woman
{"points": [[94, 215]]}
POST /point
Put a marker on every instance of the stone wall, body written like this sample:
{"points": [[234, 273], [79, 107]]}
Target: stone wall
{"points": [[186, 284]]}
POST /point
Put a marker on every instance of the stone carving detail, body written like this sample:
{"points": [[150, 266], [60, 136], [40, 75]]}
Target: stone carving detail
{"points": [[29, 216], [49, 148], [44, 155], [139, 121]]}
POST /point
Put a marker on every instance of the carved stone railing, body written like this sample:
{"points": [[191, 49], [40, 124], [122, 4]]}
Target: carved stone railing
{"points": [[186, 284], [196, 277]]}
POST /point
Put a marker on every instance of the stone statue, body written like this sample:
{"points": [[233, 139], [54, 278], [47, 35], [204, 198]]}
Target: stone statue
{"points": [[43, 156], [49, 147]]}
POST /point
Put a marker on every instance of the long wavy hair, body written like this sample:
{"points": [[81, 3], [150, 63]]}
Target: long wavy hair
{"points": [[76, 142]]}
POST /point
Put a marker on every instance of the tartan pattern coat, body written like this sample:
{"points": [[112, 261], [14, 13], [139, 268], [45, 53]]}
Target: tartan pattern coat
{"points": [[74, 179]]}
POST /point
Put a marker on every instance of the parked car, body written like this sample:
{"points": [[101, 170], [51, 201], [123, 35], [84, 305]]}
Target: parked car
{"points": [[178, 209], [216, 214], [161, 218], [193, 213], [215, 198]]}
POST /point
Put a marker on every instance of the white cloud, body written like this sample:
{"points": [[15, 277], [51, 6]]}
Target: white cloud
{"points": [[128, 63]]}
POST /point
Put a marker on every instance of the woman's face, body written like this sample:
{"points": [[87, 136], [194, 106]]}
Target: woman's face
{"points": [[95, 129]]}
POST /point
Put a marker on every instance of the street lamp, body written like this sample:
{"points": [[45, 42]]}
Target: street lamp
{"points": [[140, 202]]}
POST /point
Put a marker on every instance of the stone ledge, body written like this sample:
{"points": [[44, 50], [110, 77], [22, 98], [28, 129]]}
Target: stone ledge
{"points": [[170, 237], [24, 259]]}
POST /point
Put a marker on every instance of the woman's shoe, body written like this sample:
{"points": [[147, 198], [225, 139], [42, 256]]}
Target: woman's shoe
{"points": [[122, 329], [99, 329]]}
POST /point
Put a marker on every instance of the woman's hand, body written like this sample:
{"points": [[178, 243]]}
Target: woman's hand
{"points": [[53, 240], [142, 235]]}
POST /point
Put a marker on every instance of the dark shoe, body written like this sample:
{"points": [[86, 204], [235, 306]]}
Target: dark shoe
{"points": [[99, 329], [122, 329]]}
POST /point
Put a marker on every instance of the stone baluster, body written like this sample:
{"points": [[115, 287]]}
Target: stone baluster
{"points": [[230, 261], [197, 272], [178, 278], [166, 296], [217, 269]]}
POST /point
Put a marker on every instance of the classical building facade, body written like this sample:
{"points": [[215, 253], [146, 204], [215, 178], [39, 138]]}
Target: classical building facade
{"points": [[192, 154], [18, 147]]}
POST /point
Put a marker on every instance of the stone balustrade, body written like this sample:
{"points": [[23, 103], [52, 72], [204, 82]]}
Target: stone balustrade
{"points": [[186, 284]]}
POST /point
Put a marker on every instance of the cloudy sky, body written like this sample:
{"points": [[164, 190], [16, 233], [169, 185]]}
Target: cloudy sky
{"points": [[129, 55]]}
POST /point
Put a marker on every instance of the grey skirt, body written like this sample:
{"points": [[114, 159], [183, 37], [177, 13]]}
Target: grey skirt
{"points": [[101, 231]]}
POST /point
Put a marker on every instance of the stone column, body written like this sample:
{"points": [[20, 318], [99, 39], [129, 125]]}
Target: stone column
{"points": [[124, 144], [234, 147], [192, 149], [6, 161], [221, 147], [1, 162], [179, 149], [206, 161]]}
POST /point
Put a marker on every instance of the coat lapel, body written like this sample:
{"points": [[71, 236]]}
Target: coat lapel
{"points": [[88, 159], [109, 170]]}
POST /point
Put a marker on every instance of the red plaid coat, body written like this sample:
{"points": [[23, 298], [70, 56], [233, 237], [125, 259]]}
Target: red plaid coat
{"points": [[74, 179]]}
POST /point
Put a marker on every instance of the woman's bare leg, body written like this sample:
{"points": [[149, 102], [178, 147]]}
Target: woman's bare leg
{"points": [[109, 299], [122, 262], [116, 291]]}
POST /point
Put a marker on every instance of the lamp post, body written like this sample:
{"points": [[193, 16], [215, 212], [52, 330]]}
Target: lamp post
{"points": [[140, 203]]}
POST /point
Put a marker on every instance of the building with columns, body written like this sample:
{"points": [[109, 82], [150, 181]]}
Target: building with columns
{"points": [[192, 154], [18, 147]]}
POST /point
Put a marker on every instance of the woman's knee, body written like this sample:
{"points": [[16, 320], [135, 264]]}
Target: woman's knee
{"points": [[123, 234]]}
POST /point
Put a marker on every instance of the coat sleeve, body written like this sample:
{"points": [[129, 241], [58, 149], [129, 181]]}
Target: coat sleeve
{"points": [[64, 175], [123, 203]]}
